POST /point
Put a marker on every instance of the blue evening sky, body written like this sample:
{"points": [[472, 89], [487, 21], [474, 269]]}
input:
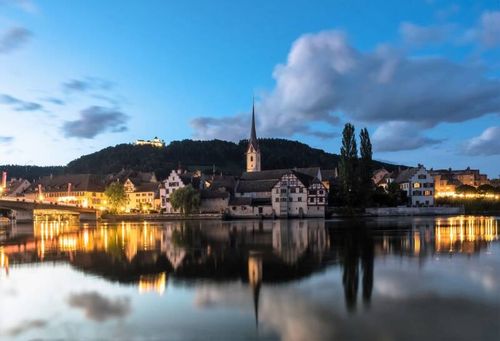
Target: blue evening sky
{"points": [[423, 76]]}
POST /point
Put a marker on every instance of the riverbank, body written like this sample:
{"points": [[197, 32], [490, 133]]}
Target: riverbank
{"points": [[160, 217], [413, 211]]}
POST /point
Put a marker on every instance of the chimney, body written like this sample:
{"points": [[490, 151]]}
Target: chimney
{"points": [[4, 179]]}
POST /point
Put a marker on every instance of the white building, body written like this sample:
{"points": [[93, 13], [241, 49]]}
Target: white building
{"points": [[177, 179], [418, 184], [156, 142]]}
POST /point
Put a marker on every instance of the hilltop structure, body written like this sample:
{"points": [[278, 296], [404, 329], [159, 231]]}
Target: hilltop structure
{"points": [[156, 142]]}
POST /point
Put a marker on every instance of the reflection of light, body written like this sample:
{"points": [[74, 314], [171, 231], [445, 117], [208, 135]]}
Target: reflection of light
{"points": [[460, 233], [4, 261], [153, 283]]}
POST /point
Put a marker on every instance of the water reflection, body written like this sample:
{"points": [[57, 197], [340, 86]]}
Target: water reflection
{"points": [[150, 256]]}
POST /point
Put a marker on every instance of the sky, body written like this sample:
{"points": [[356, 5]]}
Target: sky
{"points": [[422, 76]]}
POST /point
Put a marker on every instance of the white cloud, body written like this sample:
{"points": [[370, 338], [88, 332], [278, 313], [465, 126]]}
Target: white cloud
{"points": [[490, 29], [488, 143], [325, 75], [397, 135], [419, 35]]}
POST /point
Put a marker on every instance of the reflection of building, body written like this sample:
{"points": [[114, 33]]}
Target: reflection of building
{"points": [[153, 283], [255, 279]]}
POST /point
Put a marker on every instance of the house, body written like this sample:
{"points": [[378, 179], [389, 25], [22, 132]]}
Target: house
{"points": [[380, 178], [142, 189], [447, 180], [418, 184], [177, 179], [16, 187], [86, 190]]}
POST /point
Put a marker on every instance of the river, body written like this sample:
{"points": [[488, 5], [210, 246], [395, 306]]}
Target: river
{"points": [[370, 279]]}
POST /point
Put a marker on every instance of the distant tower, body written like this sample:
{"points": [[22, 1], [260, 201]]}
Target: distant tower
{"points": [[253, 150]]}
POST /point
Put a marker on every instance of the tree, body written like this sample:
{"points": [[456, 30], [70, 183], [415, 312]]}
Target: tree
{"points": [[466, 189], [348, 164], [365, 167], [486, 189], [116, 196], [185, 199]]}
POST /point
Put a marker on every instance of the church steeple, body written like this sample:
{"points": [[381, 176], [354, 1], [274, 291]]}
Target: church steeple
{"points": [[253, 149]]}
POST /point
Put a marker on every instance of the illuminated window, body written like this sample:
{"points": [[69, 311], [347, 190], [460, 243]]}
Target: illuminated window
{"points": [[416, 185]]}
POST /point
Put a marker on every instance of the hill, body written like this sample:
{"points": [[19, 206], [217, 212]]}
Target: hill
{"points": [[225, 156]]}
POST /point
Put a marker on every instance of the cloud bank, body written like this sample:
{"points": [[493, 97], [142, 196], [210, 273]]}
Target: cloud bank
{"points": [[488, 143], [94, 121], [325, 75], [13, 39], [99, 308], [19, 104]]}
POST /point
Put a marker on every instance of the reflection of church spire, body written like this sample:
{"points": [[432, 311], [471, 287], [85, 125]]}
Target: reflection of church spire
{"points": [[255, 280]]}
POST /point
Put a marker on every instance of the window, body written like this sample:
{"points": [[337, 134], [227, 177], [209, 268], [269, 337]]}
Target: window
{"points": [[251, 158], [312, 192], [277, 200], [422, 176], [301, 190], [320, 199], [292, 190], [290, 199], [416, 185], [299, 199], [283, 199], [321, 192], [277, 190], [311, 200], [283, 190]]}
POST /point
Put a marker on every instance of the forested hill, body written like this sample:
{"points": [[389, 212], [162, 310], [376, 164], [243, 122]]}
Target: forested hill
{"points": [[226, 156]]}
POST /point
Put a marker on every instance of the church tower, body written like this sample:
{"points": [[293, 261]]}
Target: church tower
{"points": [[253, 150]]}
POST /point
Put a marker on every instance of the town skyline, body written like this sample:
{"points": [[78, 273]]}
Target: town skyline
{"points": [[179, 86]]}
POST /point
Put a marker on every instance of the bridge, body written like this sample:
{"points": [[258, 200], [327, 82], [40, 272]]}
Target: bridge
{"points": [[26, 210]]}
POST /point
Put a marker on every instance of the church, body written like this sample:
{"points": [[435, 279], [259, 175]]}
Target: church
{"points": [[278, 193]]}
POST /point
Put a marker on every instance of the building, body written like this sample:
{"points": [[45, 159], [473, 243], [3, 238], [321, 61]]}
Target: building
{"points": [[86, 190], [142, 189], [380, 178], [156, 142], [280, 193], [418, 184], [177, 179], [447, 180], [14, 187], [253, 149]]}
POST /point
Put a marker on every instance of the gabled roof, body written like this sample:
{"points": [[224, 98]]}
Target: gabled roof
{"points": [[209, 194], [249, 186], [405, 175], [79, 182]]}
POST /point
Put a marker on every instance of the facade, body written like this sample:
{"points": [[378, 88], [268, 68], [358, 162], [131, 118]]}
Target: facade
{"points": [[156, 142], [141, 196], [418, 184], [177, 179], [447, 180], [280, 193], [86, 190], [253, 150]]}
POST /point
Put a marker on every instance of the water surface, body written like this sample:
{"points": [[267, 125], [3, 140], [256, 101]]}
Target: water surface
{"points": [[376, 279]]}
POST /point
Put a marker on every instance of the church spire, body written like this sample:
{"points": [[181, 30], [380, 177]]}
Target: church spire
{"points": [[253, 149], [253, 133]]}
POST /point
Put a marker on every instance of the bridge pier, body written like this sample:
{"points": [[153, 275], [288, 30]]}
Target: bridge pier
{"points": [[22, 216]]}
